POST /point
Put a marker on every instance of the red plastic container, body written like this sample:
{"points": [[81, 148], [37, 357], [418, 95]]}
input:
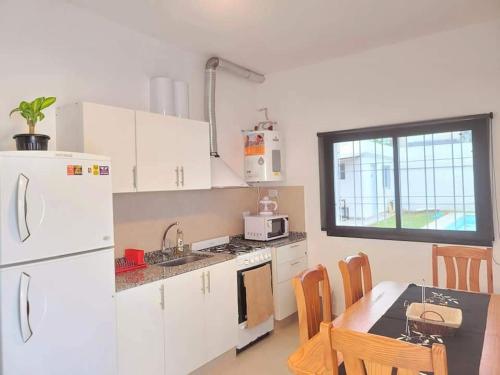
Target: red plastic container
{"points": [[134, 259], [135, 255]]}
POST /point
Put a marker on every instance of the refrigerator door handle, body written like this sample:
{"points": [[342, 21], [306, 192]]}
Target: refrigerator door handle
{"points": [[22, 207], [24, 307]]}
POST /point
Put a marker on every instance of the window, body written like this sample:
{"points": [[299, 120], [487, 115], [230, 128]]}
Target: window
{"points": [[427, 181], [342, 171], [387, 176]]}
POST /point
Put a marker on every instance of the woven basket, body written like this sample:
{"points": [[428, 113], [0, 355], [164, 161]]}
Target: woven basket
{"points": [[434, 319]]}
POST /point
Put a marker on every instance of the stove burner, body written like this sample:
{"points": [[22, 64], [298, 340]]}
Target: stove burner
{"points": [[230, 248]]}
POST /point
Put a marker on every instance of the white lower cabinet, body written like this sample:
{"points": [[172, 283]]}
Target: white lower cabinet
{"points": [[140, 330], [221, 305], [185, 344], [201, 317], [288, 261], [173, 326]]}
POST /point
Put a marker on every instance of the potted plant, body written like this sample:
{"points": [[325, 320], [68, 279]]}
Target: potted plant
{"points": [[32, 112]]}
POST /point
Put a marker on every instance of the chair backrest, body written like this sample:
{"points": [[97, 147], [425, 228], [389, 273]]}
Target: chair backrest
{"points": [[468, 262], [367, 354], [312, 309], [357, 277]]}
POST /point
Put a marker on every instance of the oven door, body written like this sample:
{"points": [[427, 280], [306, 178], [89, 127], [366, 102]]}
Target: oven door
{"points": [[242, 293], [277, 227]]}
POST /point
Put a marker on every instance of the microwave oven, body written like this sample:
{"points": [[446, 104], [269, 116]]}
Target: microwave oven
{"points": [[266, 228]]}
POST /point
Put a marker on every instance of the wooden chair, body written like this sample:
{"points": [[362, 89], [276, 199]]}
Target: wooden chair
{"points": [[364, 353], [312, 309], [357, 277], [461, 255]]}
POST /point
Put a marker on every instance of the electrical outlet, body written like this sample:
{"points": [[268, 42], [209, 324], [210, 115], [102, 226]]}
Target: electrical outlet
{"points": [[272, 193]]}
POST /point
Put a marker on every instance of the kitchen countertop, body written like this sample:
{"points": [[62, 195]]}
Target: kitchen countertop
{"points": [[154, 272]]}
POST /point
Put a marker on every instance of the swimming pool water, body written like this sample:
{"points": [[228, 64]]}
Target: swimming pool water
{"points": [[466, 222]]}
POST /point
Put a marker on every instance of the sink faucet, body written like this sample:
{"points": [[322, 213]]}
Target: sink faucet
{"points": [[164, 239]]}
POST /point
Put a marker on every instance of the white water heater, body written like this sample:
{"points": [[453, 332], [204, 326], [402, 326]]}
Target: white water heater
{"points": [[263, 159]]}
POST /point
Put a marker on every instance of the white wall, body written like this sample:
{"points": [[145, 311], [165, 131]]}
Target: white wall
{"points": [[51, 48], [442, 75]]}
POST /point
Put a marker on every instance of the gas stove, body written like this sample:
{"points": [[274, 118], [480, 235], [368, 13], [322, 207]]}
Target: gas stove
{"points": [[229, 248], [246, 255]]}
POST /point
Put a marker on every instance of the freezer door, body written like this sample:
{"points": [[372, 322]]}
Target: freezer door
{"points": [[57, 317], [53, 205]]}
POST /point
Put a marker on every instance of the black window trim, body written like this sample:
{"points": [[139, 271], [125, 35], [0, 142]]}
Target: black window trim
{"points": [[480, 127]]}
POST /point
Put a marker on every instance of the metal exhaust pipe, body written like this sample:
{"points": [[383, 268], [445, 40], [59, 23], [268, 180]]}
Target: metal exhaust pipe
{"points": [[211, 67]]}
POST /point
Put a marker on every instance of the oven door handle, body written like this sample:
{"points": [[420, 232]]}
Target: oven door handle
{"points": [[286, 226]]}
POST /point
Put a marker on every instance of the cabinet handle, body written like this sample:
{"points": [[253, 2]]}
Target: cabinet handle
{"points": [[295, 263], [177, 176], [134, 176], [162, 297], [296, 245], [24, 307], [203, 282], [208, 277], [22, 207], [182, 175]]}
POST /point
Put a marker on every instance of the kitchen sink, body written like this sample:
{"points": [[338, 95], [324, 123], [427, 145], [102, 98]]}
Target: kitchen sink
{"points": [[183, 260]]}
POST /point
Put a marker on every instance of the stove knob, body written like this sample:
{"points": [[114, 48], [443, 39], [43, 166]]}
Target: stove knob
{"points": [[246, 261]]}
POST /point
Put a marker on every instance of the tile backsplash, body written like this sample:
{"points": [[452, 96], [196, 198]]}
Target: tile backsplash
{"points": [[141, 218]]}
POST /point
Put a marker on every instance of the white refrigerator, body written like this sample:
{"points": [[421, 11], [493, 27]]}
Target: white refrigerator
{"points": [[57, 310]]}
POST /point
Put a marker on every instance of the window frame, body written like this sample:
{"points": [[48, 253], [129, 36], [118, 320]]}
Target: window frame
{"points": [[479, 125]]}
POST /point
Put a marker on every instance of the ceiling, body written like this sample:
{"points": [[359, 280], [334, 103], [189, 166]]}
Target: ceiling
{"points": [[273, 35]]}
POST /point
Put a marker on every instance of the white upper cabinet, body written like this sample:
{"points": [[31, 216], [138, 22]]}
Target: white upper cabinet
{"points": [[148, 151], [102, 130], [172, 153]]}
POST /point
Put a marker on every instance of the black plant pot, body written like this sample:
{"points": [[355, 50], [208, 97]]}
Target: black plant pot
{"points": [[32, 142]]}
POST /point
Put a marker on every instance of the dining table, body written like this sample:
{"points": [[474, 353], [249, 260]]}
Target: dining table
{"points": [[369, 310]]}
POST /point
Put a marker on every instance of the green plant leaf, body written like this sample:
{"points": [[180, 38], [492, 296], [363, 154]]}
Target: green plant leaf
{"points": [[14, 111], [24, 106], [41, 116], [36, 105], [48, 102]]}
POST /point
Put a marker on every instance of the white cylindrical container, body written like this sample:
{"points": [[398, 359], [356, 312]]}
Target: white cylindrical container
{"points": [[161, 95], [181, 99]]}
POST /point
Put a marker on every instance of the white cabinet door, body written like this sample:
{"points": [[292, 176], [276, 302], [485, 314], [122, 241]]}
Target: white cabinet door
{"points": [[172, 153], [110, 131], [185, 339], [57, 317], [141, 330], [221, 309], [195, 155], [159, 146], [101, 130]]}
